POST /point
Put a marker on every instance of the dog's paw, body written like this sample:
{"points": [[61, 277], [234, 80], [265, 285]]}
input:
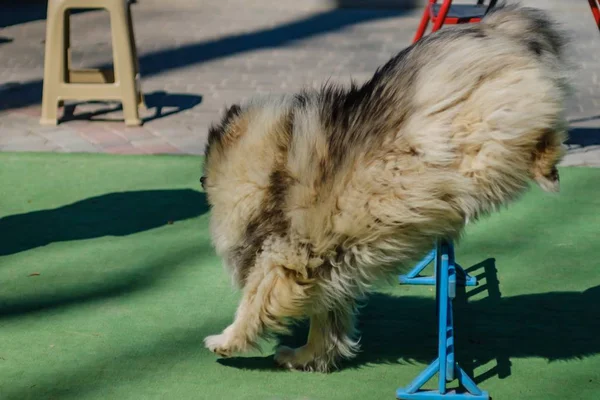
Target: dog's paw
{"points": [[284, 356], [219, 344], [300, 359]]}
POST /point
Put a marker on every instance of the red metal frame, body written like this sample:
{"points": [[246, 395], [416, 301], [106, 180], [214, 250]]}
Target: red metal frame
{"points": [[442, 18], [595, 11]]}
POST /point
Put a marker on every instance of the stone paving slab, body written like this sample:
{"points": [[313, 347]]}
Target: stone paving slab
{"points": [[197, 57]]}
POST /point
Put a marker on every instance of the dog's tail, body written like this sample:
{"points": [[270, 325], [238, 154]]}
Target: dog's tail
{"points": [[530, 26]]}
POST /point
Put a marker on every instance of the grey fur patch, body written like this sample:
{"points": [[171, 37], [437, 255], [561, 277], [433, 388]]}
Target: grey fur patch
{"points": [[271, 220]]}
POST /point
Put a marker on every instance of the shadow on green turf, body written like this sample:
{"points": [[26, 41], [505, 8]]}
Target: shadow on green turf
{"points": [[131, 278], [112, 214], [554, 326]]}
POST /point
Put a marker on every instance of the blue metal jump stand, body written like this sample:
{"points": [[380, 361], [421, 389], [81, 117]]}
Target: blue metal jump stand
{"points": [[445, 365]]}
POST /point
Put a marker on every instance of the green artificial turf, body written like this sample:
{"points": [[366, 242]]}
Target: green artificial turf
{"points": [[108, 284]]}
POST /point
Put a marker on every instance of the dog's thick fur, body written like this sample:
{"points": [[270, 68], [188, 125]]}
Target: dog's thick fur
{"points": [[316, 196]]}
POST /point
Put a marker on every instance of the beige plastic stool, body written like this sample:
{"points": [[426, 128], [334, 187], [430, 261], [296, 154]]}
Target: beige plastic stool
{"points": [[61, 83]]}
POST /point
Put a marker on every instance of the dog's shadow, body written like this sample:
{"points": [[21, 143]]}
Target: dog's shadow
{"points": [[403, 329]]}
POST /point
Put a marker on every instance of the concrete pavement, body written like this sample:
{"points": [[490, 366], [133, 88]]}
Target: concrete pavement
{"points": [[197, 57]]}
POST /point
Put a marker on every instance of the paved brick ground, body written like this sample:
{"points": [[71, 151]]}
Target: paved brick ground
{"points": [[196, 57]]}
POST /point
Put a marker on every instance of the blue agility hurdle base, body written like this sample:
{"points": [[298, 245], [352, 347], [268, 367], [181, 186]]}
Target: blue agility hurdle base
{"points": [[446, 276]]}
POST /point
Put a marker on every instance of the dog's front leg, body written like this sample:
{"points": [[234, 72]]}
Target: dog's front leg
{"points": [[270, 296]]}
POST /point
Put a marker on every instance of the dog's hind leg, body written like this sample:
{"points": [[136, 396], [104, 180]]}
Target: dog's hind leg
{"points": [[330, 339], [272, 295]]}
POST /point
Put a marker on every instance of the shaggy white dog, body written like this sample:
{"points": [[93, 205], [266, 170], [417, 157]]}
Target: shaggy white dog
{"points": [[316, 195]]}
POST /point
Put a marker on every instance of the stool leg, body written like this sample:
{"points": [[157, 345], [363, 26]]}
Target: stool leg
{"points": [[67, 53], [140, 96], [54, 58], [124, 64]]}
